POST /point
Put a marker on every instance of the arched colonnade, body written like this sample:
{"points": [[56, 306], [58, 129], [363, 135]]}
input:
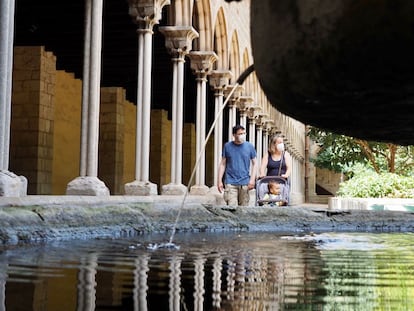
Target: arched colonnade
{"points": [[212, 37]]}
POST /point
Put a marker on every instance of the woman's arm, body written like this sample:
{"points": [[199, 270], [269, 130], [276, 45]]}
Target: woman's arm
{"points": [[263, 166], [288, 163]]}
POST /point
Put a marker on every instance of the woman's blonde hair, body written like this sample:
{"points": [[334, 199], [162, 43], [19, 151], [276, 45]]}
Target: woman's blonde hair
{"points": [[272, 145]]}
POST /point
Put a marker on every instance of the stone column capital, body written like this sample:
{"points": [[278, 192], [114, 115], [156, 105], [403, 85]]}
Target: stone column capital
{"points": [[268, 125], [219, 79], [178, 39], [253, 112], [274, 130], [261, 119], [146, 13], [245, 103], [236, 94], [202, 61]]}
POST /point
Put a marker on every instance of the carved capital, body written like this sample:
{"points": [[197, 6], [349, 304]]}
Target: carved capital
{"points": [[146, 13], [245, 102], [253, 112], [261, 119], [219, 79], [178, 39], [236, 94], [202, 61], [268, 124]]}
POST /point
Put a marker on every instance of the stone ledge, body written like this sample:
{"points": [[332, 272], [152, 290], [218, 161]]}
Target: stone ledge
{"points": [[69, 218], [377, 204]]}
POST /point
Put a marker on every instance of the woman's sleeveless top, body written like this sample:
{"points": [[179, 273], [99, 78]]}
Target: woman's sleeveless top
{"points": [[273, 166]]}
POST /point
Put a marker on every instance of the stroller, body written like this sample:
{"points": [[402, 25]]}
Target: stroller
{"points": [[262, 192]]}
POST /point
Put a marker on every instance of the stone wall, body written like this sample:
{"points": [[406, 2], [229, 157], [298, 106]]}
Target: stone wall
{"points": [[160, 151], [111, 138], [32, 122], [46, 126], [67, 119], [130, 119]]}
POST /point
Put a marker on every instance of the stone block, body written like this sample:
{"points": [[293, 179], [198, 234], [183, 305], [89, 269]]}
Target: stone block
{"points": [[87, 186], [12, 185]]}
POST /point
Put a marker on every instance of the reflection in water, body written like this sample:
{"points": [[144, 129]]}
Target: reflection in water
{"points": [[3, 277], [86, 283], [199, 283], [217, 270], [175, 283], [140, 283], [248, 271]]}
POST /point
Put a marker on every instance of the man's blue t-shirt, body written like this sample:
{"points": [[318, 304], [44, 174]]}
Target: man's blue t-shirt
{"points": [[238, 162]]}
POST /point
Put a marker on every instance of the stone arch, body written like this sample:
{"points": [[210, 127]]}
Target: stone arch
{"points": [[220, 41], [202, 22], [248, 87], [255, 88], [180, 12], [234, 59]]}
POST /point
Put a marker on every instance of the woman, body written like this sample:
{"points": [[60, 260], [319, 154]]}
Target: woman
{"points": [[277, 161]]}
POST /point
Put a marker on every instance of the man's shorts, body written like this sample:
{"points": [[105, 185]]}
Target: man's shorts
{"points": [[235, 195]]}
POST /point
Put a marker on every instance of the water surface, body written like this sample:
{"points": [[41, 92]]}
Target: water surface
{"points": [[213, 271]]}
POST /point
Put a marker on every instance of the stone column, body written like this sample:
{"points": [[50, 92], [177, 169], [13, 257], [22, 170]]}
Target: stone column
{"points": [[219, 79], [232, 104], [259, 142], [265, 133], [146, 14], [251, 115], [178, 40], [88, 183], [201, 64], [244, 105], [11, 185]]}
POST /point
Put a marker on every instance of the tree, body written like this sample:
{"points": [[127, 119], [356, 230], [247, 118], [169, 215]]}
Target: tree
{"points": [[339, 153]]}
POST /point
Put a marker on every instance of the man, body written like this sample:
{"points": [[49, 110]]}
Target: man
{"points": [[235, 163]]}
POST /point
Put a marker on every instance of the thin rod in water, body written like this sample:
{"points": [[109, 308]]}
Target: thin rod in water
{"points": [[240, 81]]}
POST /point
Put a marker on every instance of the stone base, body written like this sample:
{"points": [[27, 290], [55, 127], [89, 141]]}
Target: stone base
{"points": [[12, 185], [87, 186], [199, 190], [174, 189], [140, 188]]}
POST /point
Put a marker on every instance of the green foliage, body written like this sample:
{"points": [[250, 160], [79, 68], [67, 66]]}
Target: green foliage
{"points": [[340, 153], [336, 152], [373, 169], [368, 184]]}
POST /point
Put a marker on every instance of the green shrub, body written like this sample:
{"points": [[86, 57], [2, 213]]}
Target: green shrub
{"points": [[368, 184]]}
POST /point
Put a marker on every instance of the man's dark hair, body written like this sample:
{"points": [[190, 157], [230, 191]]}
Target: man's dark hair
{"points": [[237, 127]]}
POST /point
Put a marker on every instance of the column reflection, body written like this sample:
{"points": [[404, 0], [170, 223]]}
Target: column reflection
{"points": [[87, 283], [141, 283], [175, 283], [217, 272], [199, 290], [3, 278]]}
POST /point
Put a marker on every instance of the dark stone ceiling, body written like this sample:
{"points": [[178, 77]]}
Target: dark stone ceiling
{"points": [[346, 66], [59, 26]]}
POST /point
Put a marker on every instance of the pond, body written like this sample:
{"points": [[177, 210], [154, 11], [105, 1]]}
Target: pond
{"points": [[213, 271]]}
